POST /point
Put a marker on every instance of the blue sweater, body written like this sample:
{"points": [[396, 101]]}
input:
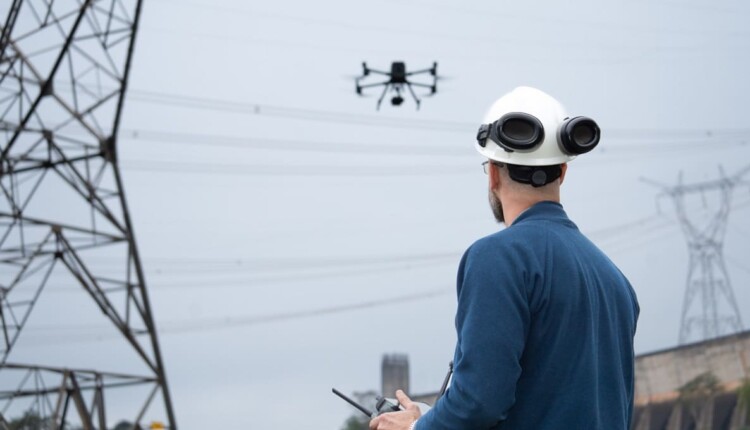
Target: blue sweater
{"points": [[545, 326]]}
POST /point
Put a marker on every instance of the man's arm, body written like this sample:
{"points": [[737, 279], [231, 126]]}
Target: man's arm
{"points": [[491, 322]]}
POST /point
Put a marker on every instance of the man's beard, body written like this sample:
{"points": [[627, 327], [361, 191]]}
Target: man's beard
{"points": [[497, 207]]}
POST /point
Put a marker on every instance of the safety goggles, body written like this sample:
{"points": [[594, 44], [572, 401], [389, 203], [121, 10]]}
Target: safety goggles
{"points": [[520, 131]]}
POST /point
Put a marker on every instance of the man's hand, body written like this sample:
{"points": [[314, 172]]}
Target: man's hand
{"points": [[400, 420]]}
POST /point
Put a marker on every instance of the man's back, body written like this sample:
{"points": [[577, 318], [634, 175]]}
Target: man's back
{"points": [[545, 327], [578, 357]]}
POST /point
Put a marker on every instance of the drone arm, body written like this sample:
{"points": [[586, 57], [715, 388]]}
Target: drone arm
{"points": [[416, 99], [380, 100], [417, 84], [416, 72], [432, 70], [433, 87], [373, 85], [379, 72]]}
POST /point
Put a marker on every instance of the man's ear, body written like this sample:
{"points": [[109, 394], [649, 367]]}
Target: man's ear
{"points": [[494, 174], [564, 167]]}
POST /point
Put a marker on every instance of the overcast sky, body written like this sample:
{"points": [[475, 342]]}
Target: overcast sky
{"points": [[291, 234]]}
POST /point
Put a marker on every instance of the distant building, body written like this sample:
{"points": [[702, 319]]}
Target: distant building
{"points": [[394, 373], [689, 387]]}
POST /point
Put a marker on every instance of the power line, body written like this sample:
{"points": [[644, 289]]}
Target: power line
{"points": [[226, 322], [254, 143], [650, 139], [608, 26], [218, 323], [288, 263], [648, 236], [706, 7], [737, 263], [293, 170], [635, 234], [701, 136], [263, 281], [625, 228], [214, 104], [667, 145], [516, 41]]}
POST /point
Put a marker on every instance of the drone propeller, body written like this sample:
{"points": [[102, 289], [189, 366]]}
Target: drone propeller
{"points": [[440, 90], [362, 90], [364, 95]]}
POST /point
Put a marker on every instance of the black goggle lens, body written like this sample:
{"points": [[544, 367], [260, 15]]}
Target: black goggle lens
{"points": [[584, 135], [518, 129], [579, 135]]}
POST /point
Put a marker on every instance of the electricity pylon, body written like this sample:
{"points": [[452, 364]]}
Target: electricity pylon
{"points": [[64, 68], [709, 308]]}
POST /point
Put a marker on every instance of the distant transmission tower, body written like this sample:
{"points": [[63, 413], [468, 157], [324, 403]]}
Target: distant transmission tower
{"points": [[709, 308], [64, 69]]}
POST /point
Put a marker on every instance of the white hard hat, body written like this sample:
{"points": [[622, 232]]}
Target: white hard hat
{"points": [[528, 127]]}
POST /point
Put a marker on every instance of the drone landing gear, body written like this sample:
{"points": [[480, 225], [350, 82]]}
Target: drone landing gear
{"points": [[382, 95], [398, 99], [413, 94]]}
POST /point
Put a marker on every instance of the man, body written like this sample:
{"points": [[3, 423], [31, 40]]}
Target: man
{"points": [[545, 321]]}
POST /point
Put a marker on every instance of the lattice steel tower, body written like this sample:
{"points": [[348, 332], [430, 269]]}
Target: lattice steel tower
{"points": [[709, 308], [64, 69]]}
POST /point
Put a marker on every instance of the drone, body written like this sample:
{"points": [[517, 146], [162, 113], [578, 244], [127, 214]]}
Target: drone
{"points": [[398, 77]]}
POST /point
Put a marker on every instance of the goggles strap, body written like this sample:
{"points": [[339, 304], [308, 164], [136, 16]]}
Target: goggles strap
{"points": [[536, 176], [482, 134]]}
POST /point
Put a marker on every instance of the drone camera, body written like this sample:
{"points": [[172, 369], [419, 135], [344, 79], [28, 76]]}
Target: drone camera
{"points": [[397, 100]]}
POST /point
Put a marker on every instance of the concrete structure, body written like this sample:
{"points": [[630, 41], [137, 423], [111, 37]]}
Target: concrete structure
{"points": [[694, 386]]}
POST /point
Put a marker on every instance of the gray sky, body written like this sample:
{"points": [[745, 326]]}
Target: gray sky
{"points": [[291, 234]]}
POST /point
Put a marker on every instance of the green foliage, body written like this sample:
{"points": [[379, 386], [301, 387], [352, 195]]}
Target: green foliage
{"points": [[31, 421], [124, 425], [356, 422], [697, 393], [743, 401], [743, 394], [701, 386]]}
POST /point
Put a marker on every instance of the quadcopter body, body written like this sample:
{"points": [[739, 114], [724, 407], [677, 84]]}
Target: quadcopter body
{"points": [[397, 79]]}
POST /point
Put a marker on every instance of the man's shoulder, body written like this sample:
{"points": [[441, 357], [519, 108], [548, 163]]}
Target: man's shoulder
{"points": [[511, 244], [521, 235]]}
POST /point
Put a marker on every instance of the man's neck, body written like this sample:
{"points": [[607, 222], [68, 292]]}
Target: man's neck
{"points": [[513, 208]]}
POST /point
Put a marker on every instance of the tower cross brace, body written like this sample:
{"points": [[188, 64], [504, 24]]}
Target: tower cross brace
{"points": [[709, 308]]}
